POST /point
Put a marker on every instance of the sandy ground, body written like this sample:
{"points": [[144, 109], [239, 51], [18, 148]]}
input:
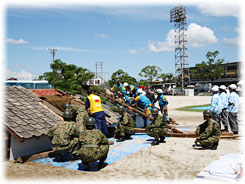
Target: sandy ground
{"points": [[174, 160]]}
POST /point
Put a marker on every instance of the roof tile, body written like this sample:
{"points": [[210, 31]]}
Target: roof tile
{"points": [[24, 115]]}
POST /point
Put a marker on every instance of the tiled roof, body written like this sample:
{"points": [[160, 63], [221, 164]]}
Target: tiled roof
{"points": [[42, 92], [25, 116]]}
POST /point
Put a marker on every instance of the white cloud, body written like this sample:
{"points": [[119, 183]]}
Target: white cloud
{"points": [[197, 36], [168, 45], [23, 75], [135, 51], [234, 42], [100, 35], [16, 42], [223, 8]]}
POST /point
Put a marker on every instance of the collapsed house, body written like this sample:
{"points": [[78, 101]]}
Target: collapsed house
{"points": [[29, 114], [26, 123]]}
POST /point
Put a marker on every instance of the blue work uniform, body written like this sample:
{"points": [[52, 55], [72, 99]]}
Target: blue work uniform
{"points": [[145, 103], [224, 106], [216, 107], [162, 101], [133, 89], [233, 103]]}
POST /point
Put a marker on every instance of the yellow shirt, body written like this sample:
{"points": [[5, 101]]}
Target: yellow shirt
{"points": [[95, 104]]}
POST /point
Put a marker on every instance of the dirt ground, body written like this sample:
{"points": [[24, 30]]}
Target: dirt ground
{"points": [[174, 160]]}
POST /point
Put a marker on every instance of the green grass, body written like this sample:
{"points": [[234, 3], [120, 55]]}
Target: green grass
{"points": [[189, 108]]}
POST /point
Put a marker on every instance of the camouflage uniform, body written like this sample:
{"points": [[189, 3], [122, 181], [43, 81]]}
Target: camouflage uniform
{"points": [[157, 128], [94, 146], [80, 116], [208, 133], [125, 126], [64, 137]]}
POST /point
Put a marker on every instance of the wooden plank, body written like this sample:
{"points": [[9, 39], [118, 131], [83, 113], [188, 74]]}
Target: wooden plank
{"points": [[32, 157], [189, 134]]}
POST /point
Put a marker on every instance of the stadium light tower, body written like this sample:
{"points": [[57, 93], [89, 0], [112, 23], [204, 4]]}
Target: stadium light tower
{"points": [[178, 16]]}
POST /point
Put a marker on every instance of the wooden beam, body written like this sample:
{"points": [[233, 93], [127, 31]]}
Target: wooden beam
{"points": [[189, 134], [32, 157], [138, 111]]}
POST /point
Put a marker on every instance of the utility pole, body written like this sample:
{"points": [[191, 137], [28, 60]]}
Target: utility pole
{"points": [[52, 51], [99, 65]]}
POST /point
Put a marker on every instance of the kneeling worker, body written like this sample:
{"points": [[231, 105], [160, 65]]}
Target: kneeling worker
{"points": [[93, 145], [157, 128], [64, 137], [208, 132], [125, 126]]}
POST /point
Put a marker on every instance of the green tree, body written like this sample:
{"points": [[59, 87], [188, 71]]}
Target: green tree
{"points": [[167, 78], [67, 77], [122, 77], [150, 73], [212, 69]]}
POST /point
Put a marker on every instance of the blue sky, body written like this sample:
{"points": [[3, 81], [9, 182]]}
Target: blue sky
{"points": [[122, 37]]}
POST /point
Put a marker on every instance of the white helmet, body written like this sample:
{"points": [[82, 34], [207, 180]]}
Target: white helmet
{"points": [[222, 87], [139, 91], [233, 86], [215, 88], [159, 91], [125, 84], [143, 93]]}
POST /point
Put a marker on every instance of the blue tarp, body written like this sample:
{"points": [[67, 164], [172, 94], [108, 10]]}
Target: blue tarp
{"points": [[201, 108], [117, 151]]}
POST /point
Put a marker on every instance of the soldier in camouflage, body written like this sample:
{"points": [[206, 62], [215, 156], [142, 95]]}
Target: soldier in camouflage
{"points": [[64, 137], [79, 115], [208, 132], [157, 128], [93, 145], [125, 126]]}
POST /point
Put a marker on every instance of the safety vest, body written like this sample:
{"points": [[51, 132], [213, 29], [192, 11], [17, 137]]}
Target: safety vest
{"points": [[95, 104]]}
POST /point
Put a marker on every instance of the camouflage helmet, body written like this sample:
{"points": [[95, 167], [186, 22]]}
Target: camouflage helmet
{"points": [[66, 106], [68, 114], [121, 108], [207, 113], [154, 110], [90, 121]]}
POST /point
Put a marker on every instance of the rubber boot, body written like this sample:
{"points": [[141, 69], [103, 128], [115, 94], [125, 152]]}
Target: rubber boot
{"points": [[121, 139], [225, 129], [215, 146], [155, 142], [128, 137], [101, 165], [162, 140], [86, 166]]}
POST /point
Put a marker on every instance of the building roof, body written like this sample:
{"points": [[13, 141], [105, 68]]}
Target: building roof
{"points": [[42, 92], [26, 116]]}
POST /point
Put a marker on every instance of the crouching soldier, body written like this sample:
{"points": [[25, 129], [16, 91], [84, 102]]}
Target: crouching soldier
{"points": [[79, 115], [125, 126], [208, 132], [64, 137], [93, 145], [158, 128]]}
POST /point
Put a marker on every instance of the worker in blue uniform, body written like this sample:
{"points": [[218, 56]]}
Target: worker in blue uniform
{"points": [[233, 103], [144, 103], [162, 101]]}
